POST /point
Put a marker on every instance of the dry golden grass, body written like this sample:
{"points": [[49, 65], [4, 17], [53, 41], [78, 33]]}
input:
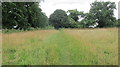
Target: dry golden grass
{"points": [[99, 41], [16, 39], [62, 47], [20, 42], [0, 48]]}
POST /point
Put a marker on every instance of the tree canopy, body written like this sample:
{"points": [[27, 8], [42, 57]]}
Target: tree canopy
{"points": [[102, 13], [59, 19], [74, 14], [23, 15]]}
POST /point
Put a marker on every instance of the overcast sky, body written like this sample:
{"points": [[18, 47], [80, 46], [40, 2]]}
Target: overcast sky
{"points": [[49, 6], [119, 10]]}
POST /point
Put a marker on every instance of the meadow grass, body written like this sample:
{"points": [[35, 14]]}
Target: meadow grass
{"points": [[0, 48], [61, 47]]}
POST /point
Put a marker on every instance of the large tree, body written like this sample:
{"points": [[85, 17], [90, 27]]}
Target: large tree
{"points": [[75, 17], [75, 14], [59, 19], [88, 20], [103, 13], [36, 18], [0, 15], [23, 15]]}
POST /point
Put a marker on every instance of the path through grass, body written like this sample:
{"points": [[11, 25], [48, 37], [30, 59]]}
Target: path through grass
{"points": [[63, 47]]}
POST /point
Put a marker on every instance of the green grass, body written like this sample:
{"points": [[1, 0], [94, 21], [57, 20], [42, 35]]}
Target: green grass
{"points": [[0, 48], [62, 47]]}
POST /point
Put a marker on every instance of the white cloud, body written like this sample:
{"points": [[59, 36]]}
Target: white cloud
{"points": [[49, 6]]}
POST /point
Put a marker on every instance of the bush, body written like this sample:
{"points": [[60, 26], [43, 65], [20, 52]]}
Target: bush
{"points": [[11, 30], [7, 31], [49, 27], [30, 29]]}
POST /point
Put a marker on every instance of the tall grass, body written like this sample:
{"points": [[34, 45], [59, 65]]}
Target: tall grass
{"points": [[0, 49], [61, 47]]}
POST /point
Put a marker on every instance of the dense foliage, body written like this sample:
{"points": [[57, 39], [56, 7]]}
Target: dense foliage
{"points": [[103, 13], [59, 19], [0, 16], [118, 23], [23, 15], [29, 15], [74, 18]]}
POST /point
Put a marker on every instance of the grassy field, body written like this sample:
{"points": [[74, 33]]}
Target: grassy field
{"points": [[61, 47], [0, 48]]}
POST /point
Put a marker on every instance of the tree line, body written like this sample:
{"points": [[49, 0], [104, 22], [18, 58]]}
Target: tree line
{"points": [[24, 15], [101, 14]]}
